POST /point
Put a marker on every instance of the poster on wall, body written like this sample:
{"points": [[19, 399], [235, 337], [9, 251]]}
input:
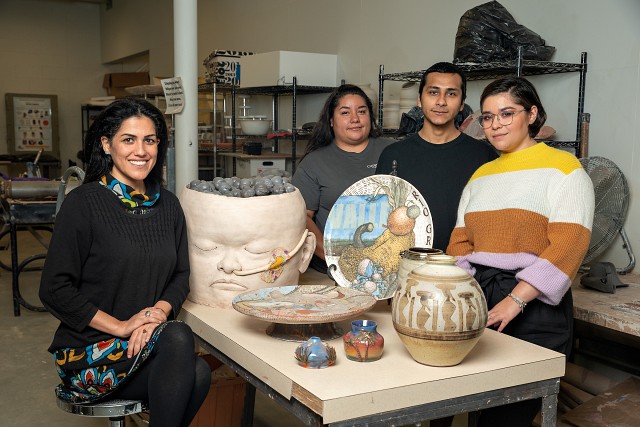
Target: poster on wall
{"points": [[32, 123]]}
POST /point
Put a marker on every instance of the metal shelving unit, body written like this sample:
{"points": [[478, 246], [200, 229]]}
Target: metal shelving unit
{"points": [[519, 67], [294, 90], [214, 88]]}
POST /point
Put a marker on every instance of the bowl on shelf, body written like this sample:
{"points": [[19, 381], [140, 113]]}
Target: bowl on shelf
{"points": [[253, 125]]}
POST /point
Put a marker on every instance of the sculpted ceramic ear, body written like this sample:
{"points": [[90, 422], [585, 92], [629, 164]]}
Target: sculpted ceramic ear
{"points": [[307, 251]]}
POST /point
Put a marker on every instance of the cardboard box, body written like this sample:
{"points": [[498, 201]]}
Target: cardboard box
{"points": [[116, 82], [224, 403], [221, 66], [279, 68]]}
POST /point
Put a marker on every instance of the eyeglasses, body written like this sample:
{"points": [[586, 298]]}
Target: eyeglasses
{"points": [[505, 118]]}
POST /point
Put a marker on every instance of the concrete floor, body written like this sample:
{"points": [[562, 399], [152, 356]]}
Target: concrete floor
{"points": [[27, 373]]}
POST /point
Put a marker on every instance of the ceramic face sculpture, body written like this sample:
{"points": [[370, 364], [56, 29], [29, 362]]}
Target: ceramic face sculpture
{"points": [[237, 245]]}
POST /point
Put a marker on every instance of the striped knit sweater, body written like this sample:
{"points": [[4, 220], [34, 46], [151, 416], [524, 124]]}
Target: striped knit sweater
{"points": [[530, 210]]}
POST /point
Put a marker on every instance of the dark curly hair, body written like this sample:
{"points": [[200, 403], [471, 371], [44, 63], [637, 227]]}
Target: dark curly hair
{"points": [[322, 133], [523, 93], [108, 123]]}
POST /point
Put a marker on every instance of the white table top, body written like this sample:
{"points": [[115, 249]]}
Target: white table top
{"points": [[353, 389]]}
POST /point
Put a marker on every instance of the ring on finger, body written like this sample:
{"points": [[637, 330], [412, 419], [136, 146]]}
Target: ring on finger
{"points": [[147, 313]]}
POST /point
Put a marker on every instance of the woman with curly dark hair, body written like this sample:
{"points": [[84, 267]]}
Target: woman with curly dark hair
{"points": [[117, 273]]}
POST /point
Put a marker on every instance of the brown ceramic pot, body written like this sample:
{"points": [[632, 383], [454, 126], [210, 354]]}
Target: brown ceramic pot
{"points": [[439, 312]]}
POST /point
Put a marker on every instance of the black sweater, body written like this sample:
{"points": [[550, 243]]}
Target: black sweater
{"points": [[103, 257], [439, 172]]}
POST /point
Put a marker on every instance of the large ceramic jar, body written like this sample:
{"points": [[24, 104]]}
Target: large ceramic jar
{"points": [[439, 312], [410, 259]]}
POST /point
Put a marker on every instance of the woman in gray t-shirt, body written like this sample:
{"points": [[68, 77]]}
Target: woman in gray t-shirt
{"points": [[344, 147]]}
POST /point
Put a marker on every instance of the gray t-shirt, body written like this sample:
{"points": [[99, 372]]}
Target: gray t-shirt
{"points": [[326, 172]]}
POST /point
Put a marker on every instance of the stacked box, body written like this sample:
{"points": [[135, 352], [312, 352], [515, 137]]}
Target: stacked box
{"points": [[115, 83], [280, 67], [225, 401], [221, 66]]}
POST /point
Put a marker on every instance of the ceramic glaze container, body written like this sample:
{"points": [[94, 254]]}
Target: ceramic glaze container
{"points": [[439, 312], [363, 343]]}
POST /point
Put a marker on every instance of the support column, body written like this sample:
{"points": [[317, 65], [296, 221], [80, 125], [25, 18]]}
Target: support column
{"points": [[185, 41]]}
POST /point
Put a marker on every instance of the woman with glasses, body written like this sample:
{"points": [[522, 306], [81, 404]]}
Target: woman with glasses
{"points": [[523, 228]]}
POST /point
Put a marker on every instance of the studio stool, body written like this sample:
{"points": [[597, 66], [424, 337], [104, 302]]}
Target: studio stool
{"points": [[115, 409]]}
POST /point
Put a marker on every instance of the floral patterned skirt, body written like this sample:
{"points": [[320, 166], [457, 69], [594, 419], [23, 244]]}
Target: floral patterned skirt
{"points": [[92, 372]]}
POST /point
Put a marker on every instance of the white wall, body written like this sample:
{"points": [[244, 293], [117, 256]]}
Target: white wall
{"points": [[51, 48], [412, 34], [135, 27]]}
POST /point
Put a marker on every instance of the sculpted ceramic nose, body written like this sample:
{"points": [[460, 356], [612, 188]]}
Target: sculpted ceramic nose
{"points": [[229, 263]]}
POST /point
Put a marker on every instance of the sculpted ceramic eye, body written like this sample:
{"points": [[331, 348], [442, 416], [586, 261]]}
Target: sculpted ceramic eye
{"points": [[205, 246], [257, 251]]}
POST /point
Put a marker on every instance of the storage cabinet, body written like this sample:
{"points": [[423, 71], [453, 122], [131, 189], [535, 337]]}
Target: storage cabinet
{"points": [[520, 67]]}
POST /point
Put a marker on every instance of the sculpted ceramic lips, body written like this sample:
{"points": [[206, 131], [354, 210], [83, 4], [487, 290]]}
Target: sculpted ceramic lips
{"points": [[227, 285]]}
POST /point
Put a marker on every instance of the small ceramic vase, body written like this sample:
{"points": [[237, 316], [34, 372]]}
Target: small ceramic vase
{"points": [[363, 343], [315, 354]]}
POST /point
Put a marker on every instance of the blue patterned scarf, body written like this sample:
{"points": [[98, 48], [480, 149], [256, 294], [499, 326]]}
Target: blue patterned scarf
{"points": [[129, 196]]}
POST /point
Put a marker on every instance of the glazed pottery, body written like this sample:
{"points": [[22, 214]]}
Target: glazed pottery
{"points": [[363, 343], [303, 311], [315, 354], [372, 221], [410, 259], [220, 228], [440, 312]]}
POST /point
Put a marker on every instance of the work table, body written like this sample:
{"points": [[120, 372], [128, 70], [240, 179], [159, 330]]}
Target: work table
{"points": [[498, 367], [618, 312]]}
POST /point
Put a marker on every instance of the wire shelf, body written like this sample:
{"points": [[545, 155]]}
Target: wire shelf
{"points": [[493, 70]]}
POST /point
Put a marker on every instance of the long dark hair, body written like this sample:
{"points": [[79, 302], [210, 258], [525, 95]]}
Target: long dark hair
{"points": [[108, 123], [523, 93], [322, 134]]}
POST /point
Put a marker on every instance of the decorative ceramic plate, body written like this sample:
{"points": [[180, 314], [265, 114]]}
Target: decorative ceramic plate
{"points": [[303, 304], [374, 220]]}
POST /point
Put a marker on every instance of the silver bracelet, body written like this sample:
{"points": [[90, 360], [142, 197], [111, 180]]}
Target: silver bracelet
{"points": [[518, 301]]}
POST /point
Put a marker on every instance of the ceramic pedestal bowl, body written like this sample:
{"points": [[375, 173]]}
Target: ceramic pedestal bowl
{"points": [[302, 311]]}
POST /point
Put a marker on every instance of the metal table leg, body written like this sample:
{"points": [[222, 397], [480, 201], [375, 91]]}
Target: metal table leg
{"points": [[16, 269], [549, 410]]}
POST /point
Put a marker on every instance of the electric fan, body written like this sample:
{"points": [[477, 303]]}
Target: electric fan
{"points": [[611, 203]]}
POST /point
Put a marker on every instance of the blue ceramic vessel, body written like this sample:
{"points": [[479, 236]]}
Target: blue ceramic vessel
{"points": [[315, 354]]}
